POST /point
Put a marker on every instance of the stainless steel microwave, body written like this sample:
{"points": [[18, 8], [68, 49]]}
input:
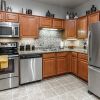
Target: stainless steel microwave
{"points": [[9, 29]]}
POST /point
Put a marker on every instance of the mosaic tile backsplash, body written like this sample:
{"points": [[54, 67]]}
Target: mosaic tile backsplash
{"points": [[46, 39]]}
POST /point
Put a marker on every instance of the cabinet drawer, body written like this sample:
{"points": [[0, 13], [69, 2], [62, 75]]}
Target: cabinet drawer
{"points": [[74, 54], [49, 55], [62, 54], [83, 56]]}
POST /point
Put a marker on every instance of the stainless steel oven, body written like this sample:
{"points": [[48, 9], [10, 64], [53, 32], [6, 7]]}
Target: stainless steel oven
{"points": [[9, 29], [9, 77]]}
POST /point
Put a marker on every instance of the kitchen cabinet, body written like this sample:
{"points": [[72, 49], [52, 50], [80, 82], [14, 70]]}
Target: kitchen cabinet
{"points": [[61, 63], [49, 65], [58, 23], [68, 61], [11, 17], [74, 63], [2, 16], [45, 22], [29, 26], [82, 28], [82, 66], [93, 18], [70, 29]]}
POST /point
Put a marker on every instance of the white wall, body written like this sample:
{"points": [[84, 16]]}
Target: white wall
{"points": [[37, 7], [81, 10]]}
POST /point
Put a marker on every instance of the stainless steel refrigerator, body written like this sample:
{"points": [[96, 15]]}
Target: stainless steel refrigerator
{"points": [[94, 59]]}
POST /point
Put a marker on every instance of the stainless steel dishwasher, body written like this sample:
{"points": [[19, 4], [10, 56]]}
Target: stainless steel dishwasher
{"points": [[30, 68]]}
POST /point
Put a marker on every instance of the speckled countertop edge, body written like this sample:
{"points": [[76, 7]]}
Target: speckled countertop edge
{"points": [[54, 51]]}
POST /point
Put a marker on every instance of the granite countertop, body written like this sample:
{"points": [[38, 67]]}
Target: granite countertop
{"points": [[51, 51]]}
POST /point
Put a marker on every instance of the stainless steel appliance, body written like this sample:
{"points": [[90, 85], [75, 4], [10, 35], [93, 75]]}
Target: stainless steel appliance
{"points": [[9, 77], [9, 29], [30, 68], [94, 59]]}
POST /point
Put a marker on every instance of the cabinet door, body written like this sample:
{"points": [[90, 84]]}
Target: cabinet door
{"points": [[58, 23], [70, 29], [11, 17], [45, 22], [69, 61], [61, 65], [83, 69], [2, 16], [82, 27], [93, 18], [74, 65], [49, 67], [29, 26]]}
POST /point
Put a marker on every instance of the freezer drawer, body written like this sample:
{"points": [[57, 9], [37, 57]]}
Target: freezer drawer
{"points": [[94, 80]]}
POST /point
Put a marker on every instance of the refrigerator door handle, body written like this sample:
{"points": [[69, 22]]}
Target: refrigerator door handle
{"points": [[89, 46]]}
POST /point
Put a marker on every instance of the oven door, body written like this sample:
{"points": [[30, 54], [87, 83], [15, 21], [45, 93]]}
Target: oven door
{"points": [[8, 29], [13, 68]]}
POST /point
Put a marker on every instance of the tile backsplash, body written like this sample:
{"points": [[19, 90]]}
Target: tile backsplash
{"points": [[47, 38]]}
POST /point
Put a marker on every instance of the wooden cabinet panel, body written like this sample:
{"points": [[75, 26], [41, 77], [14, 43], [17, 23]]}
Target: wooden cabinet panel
{"points": [[83, 56], [74, 65], [49, 55], [11, 17], [45, 22], [83, 69], [29, 26], [93, 18], [61, 54], [49, 67], [58, 23], [61, 65], [82, 28], [2, 16], [70, 29], [69, 61]]}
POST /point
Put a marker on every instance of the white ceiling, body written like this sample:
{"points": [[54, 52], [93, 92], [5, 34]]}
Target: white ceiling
{"points": [[64, 3]]}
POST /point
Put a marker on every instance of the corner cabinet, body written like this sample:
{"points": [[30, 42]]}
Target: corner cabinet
{"points": [[28, 26], [70, 29], [93, 18], [74, 67], [82, 27]]}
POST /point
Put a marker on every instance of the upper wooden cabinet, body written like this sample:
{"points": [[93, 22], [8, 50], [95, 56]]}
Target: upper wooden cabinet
{"points": [[93, 18], [58, 23], [11, 17], [70, 29], [28, 26], [2, 16], [82, 27], [45, 22]]}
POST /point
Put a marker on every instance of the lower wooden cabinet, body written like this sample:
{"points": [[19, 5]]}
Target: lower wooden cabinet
{"points": [[74, 65], [68, 61], [83, 67], [49, 67], [61, 63]]}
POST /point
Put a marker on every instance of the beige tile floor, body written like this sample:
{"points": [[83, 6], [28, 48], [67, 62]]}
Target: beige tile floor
{"points": [[65, 87]]}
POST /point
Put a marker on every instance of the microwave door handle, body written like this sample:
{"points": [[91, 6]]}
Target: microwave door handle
{"points": [[13, 30]]}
